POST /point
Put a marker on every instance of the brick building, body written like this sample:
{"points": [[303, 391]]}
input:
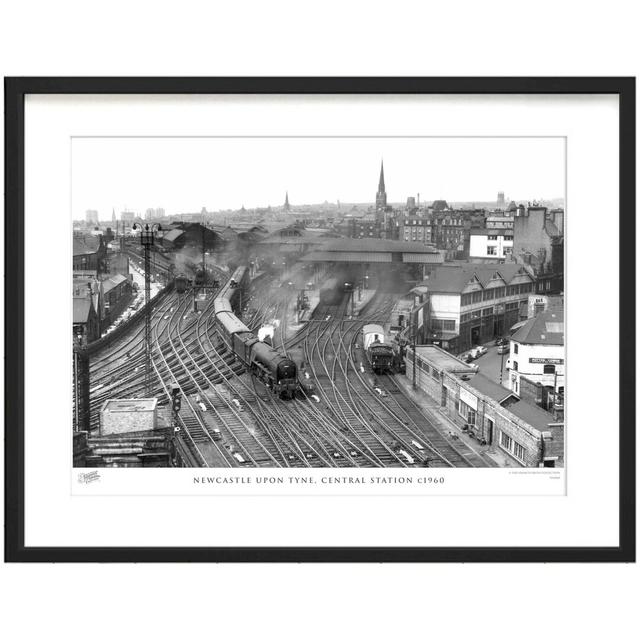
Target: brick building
{"points": [[538, 242], [89, 253], [472, 303], [487, 411], [86, 325]]}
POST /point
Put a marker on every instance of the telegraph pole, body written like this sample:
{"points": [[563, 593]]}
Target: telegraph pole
{"points": [[147, 238], [415, 337], [204, 263]]}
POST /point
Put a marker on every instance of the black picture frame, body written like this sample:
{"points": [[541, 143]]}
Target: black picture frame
{"points": [[15, 91]]}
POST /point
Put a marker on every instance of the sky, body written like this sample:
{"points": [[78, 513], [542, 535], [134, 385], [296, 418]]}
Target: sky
{"points": [[185, 174]]}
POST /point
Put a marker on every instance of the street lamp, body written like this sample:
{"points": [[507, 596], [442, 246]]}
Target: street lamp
{"points": [[147, 239]]}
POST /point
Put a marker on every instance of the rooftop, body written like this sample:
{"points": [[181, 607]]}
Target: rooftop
{"points": [[546, 328], [81, 309], [535, 416], [377, 245], [491, 232], [129, 405], [172, 235], [113, 281], [453, 278], [488, 387], [84, 245], [443, 360]]}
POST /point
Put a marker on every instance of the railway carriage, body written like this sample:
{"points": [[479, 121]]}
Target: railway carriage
{"points": [[380, 353]]}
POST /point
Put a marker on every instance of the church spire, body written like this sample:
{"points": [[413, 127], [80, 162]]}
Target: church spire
{"points": [[381, 196], [286, 202]]}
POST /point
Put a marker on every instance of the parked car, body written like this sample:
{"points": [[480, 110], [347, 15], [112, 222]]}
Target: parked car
{"points": [[476, 352], [500, 341], [503, 348], [466, 357]]}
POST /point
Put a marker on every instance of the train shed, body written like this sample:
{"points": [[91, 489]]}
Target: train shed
{"points": [[370, 258]]}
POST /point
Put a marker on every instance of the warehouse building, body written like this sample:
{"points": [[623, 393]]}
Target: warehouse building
{"points": [[487, 411]]}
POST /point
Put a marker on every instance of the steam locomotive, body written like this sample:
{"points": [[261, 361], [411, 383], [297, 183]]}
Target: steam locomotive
{"points": [[181, 282], [278, 373]]}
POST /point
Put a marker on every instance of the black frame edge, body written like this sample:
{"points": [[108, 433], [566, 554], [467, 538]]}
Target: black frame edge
{"points": [[15, 90]]}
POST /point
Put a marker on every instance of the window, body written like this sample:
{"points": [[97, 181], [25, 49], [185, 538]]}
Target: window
{"points": [[508, 238], [476, 296], [515, 366], [443, 325], [518, 451], [507, 251], [500, 292], [548, 285], [505, 441], [549, 368], [435, 374], [515, 347], [467, 413], [488, 311], [492, 237], [492, 251], [488, 294]]}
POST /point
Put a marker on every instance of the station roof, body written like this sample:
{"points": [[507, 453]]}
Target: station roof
{"points": [[373, 250], [345, 256], [377, 245], [546, 328]]}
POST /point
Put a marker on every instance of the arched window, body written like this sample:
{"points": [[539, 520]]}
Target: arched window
{"points": [[549, 368]]}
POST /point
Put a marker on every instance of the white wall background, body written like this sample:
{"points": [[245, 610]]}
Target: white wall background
{"points": [[331, 38]]}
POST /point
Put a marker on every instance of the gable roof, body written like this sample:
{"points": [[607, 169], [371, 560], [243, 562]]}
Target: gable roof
{"points": [[546, 328], [172, 235], [113, 281], [453, 278]]}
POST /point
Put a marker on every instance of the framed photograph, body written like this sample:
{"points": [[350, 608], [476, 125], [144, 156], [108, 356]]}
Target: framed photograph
{"points": [[320, 319]]}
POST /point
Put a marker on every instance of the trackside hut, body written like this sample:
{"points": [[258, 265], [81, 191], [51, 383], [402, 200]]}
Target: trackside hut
{"points": [[488, 411]]}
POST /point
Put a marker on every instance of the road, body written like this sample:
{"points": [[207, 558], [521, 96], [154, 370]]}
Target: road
{"points": [[489, 364]]}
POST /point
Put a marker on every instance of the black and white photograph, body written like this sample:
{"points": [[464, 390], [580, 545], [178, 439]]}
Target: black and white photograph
{"points": [[331, 311], [318, 301]]}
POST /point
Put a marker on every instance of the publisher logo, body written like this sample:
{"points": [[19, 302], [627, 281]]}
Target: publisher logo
{"points": [[87, 478]]}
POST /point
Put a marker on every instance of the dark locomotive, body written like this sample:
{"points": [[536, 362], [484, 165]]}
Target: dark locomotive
{"points": [[181, 282], [278, 372], [331, 292]]}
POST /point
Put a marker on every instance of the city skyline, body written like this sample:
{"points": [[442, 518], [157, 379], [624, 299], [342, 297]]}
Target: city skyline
{"points": [[186, 174]]}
